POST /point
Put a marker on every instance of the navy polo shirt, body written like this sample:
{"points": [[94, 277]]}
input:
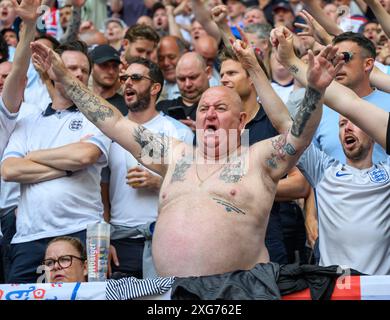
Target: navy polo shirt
{"points": [[260, 127]]}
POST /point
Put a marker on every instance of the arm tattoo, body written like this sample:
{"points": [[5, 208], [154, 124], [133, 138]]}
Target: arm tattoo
{"points": [[280, 149], [181, 168], [309, 104], [88, 103], [232, 173], [293, 69], [153, 145], [228, 207]]}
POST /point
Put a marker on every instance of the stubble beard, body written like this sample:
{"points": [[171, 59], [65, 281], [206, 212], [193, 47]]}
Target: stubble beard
{"points": [[142, 103]]}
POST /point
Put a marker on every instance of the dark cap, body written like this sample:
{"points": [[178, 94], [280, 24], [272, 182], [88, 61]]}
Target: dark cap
{"points": [[103, 53], [282, 5]]}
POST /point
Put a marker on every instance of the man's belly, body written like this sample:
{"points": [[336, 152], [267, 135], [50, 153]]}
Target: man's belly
{"points": [[193, 239]]}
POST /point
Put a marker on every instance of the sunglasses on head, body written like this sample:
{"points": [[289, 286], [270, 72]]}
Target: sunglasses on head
{"points": [[135, 77]]}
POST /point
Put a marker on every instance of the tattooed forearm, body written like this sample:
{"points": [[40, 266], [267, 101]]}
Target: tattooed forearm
{"points": [[181, 168], [88, 103], [228, 206], [280, 149], [309, 104], [293, 69], [153, 145]]}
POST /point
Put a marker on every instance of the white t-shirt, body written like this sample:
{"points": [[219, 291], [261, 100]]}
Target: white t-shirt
{"points": [[282, 91], [133, 207], [10, 191], [353, 212], [63, 205]]}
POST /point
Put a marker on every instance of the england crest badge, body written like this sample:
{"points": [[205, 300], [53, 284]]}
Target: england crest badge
{"points": [[378, 175], [76, 124]]}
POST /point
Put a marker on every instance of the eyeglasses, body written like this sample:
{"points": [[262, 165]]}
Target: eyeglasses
{"points": [[136, 77], [63, 261], [347, 56]]}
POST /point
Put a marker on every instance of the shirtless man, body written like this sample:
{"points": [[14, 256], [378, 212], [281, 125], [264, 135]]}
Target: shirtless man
{"points": [[212, 216]]}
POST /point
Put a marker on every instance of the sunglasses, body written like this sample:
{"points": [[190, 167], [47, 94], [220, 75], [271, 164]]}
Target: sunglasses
{"points": [[134, 77], [347, 56]]}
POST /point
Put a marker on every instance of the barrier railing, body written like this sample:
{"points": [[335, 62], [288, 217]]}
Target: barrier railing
{"points": [[350, 288]]}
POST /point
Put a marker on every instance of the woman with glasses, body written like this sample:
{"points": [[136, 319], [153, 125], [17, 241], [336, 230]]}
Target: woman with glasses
{"points": [[65, 260]]}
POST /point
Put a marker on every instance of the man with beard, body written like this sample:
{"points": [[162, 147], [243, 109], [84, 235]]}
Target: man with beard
{"points": [[192, 77], [129, 190], [352, 203], [105, 75], [355, 74]]}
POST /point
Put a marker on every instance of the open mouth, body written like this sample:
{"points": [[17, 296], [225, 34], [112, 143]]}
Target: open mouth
{"points": [[349, 141], [130, 93], [210, 129]]}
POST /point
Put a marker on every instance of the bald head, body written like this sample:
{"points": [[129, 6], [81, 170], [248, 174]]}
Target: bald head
{"points": [[224, 94], [93, 38], [169, 51], [207, 48], [191, 59], [192, 77]]}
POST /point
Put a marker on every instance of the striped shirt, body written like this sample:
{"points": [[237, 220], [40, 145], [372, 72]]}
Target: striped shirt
{"points": [[131, 288]]}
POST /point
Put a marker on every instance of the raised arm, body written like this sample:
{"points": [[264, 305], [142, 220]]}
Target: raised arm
{"points": [[174, 29], [204, 18], [72, 30], [381, 15], [219, 16], [362, 5], [380, 80], [273, 105], [313, 28], [343, 100], [16, 81], [282, 152], [315, 10], [150, 149]]}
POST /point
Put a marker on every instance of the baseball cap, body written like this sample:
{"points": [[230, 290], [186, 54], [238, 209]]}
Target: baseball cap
{"points": [[103, 53], [117, 20], [282, 5]]}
